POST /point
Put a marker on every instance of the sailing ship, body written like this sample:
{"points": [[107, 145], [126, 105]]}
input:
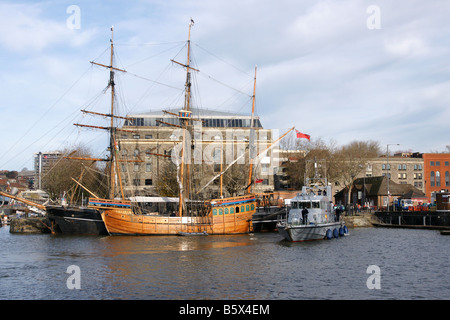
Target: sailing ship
{"points": [[230, 215], [117, 215], [312, 215], [66, 219], [75, 220]]}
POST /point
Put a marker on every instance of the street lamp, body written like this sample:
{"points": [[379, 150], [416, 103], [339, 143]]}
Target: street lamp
{"points": [[388, 169]]}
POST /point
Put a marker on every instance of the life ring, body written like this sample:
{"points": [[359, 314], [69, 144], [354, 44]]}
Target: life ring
{"points": [[329, 235]]}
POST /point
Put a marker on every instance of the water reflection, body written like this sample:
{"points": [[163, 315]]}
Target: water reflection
{"points": [[262, 266], [163, 244]]}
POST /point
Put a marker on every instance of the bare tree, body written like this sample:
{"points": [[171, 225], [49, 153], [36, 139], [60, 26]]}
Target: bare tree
{"points": [[351, 159], [166, 182], [318, 150], [235, 179], [58, 180]]}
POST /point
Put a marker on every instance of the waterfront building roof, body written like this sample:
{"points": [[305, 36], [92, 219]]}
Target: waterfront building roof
{"points": [[211, 118]]}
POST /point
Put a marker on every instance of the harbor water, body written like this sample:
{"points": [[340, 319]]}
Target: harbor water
{"points": [[369, 264]]}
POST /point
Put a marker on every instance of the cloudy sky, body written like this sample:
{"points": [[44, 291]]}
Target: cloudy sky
{"points": [[339, 70]]}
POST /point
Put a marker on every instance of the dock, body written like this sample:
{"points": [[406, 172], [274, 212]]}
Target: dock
{"points": [[415, 219]]}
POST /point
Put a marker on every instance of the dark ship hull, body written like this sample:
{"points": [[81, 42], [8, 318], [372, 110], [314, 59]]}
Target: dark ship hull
{"points": [[75, 220], [266, 218]]}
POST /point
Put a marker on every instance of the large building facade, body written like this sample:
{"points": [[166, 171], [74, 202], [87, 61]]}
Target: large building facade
{"points": [[402, 168], [43, 162], [150, 143], [436, 172]]}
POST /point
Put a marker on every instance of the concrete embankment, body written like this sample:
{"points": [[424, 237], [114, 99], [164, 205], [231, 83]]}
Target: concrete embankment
{"points": [[29, 225], [364, 220]]}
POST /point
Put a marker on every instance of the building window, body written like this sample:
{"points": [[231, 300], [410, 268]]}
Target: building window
{"points": [[402, 175], [136, 167], [432, 178], [136, 152], [447, 179], [148, 182], [438, 163], [446, 163], [148, 167], [136, 182], [438, 179], [432, 163], [217, 155], [148, 136]]}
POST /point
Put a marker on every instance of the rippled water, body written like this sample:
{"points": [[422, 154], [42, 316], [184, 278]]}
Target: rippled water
{"points": [[413, 264]]}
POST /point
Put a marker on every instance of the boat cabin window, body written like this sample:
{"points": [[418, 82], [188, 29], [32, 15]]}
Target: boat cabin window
{"points": [[315, 204], [294, 205], [304, 204]]}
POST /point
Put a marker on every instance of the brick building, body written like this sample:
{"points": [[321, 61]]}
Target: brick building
{"points": [[436, 172]]}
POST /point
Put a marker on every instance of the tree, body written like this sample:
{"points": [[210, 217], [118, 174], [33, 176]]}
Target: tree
{"points": [[58, 180], [235, 179], [351, 159], [316, 149], [12, 174], [166, 182]]}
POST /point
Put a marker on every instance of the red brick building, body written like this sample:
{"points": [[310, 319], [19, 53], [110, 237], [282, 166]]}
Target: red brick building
{"points": [[436, 170]]}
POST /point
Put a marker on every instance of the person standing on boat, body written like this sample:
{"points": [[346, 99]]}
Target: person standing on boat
{"points": [[338, 213], [305, 215]]}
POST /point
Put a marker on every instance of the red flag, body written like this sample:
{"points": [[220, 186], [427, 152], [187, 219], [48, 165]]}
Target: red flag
{"points": [[302, 135], [259, 180]]}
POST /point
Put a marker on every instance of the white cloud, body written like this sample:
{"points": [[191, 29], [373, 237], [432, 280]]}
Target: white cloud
{"points": [[406, 46], [24, 30], [319, 67]]}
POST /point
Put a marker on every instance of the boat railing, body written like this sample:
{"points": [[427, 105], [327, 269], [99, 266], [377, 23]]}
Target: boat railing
{"points": [[231, 200], [98, 202]]}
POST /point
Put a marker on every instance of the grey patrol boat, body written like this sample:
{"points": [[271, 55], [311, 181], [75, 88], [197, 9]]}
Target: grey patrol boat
{"points": [[312, 215]]}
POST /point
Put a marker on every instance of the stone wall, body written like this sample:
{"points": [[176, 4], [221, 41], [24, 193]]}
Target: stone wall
{"points": [[29, 225]]}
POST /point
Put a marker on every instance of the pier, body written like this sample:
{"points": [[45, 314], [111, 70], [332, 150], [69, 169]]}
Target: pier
{"points": [[438, 220]]}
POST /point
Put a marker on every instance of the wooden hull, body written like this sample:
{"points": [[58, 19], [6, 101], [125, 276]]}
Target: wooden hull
{"points": [[226, 216]]}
